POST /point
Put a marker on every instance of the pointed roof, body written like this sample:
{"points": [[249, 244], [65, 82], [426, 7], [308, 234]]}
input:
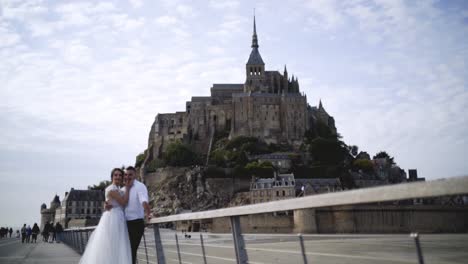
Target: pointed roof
{"points": [[255, 57], [254, 36], [56, 199], [320, 104]]}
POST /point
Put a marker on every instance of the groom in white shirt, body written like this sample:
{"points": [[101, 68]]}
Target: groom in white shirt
{"points": [[136, 210]]}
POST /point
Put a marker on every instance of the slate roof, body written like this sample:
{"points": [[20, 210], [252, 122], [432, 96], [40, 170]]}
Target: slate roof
{"points": [[56, 199], [85, 195], [228, 86], [255, 57], [201, 98]]}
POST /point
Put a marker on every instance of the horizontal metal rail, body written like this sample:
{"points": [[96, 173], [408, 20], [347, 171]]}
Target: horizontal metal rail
{"points": [[404, 191], [77, 238]]}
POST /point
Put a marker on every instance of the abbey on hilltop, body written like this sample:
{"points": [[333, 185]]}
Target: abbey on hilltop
{"points": [[268, 105]]}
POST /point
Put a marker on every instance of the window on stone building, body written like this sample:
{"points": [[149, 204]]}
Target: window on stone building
{"points": [[88, 211], [82, 211], [284, 193], [277, 193]]}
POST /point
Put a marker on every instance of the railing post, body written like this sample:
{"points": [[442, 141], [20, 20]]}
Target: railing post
{"points": [[75, 244], [159, 248], [301, 241], [202, 248], [146, 249], [239, 245], [87, 236], [178, 249], [418, 247], [81, 241]]}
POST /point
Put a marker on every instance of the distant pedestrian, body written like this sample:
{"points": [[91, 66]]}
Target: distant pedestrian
{"points": [[23, 233], [58, 231], [11, 231], [45, 232], [28, 234], [35, 232], [52, 237], [17, 233]]}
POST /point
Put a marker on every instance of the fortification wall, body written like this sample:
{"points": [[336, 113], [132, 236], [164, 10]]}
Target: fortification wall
{"points": [[355, 219], [386, 219]]}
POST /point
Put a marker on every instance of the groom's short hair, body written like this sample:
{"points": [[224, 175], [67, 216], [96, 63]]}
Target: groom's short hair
{"points": [[130, 168]]}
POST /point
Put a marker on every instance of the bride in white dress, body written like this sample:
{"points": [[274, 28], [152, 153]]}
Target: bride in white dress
{"points": [[109, 242]]}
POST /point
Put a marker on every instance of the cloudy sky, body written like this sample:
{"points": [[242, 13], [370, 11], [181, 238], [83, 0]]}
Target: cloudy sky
{"points": [[81, 81]]}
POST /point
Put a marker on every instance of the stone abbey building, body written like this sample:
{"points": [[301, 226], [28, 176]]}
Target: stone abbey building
{"points": [[268, 105]]}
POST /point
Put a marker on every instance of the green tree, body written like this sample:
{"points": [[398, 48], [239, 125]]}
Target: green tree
{"points": [[328, 151], [155, 164], [363, 164], [178, 154], [260, 169], [384, 155], [353, 150], [140, 158], [101, 186]]}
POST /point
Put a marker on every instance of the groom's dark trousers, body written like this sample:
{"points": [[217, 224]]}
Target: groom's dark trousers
{"points": [[135, 232]]}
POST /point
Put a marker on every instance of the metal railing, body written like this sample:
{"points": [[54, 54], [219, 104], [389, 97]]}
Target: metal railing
{"points": [[152, 250]]}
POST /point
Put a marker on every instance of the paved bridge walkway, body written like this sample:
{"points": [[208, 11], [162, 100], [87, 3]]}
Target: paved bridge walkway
{"points": [[12, 251]]}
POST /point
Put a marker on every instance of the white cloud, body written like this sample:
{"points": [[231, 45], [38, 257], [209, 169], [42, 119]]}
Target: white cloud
{"points": [[136, 3], [7, 36], [224, 4], [166, 21], [77, 53], [325, 13], [185, 10], [85, 79], [22, 10]]}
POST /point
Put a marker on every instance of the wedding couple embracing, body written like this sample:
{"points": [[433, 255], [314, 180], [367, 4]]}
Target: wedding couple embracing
{"points": [[118, 234]]}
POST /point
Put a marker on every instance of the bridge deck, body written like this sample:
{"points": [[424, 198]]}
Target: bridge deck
{"points": [[12, 251]]}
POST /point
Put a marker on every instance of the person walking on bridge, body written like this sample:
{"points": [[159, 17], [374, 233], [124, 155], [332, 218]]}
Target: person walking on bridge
{"points": [[58, 232], [28, 234], [35, 232], [23, 233], [10, 231]]}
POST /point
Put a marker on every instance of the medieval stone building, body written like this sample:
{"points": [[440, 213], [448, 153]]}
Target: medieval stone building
{"points": [[48, 214], [84, 206], [268, 105]]}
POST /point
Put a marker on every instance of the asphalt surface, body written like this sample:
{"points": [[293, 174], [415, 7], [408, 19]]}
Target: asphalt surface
{"points": [[264, 248], [268, 248], [12, 251]]}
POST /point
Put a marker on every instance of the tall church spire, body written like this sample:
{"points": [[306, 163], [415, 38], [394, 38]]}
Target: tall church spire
{"points": [[255, 58], [254, 36], [255, 67]]}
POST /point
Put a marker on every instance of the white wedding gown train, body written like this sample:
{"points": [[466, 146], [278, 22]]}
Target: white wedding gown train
{"points": [[109, 242]]}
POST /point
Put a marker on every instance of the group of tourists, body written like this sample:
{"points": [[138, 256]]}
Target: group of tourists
{"points": [[5, 232], [50, 233]]}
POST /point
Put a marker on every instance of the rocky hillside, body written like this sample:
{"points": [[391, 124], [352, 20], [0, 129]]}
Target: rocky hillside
{"points": [[186, 189]]}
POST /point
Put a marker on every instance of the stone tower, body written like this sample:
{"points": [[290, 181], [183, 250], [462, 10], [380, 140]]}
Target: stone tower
{"points": [[48, 215], [255, 67]]}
